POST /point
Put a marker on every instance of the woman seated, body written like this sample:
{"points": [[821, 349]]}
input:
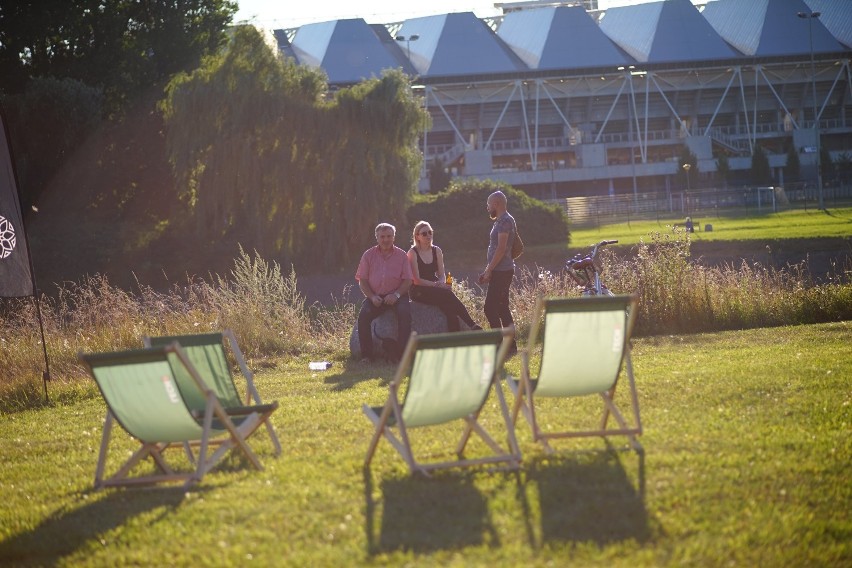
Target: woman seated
{"points": [[429, 283]]}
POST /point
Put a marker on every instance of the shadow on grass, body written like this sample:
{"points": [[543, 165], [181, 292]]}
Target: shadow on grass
{"points": [[589, 497], [355, 372], [424, 515], [67, 531]]}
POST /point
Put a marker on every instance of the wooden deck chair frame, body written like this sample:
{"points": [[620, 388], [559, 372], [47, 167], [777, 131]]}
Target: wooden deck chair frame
{"points": [[586, 344], [141, 393], [451, 375], [206, 351]]}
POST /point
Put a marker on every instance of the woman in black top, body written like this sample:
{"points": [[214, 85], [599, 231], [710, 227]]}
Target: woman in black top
{"points": [[429, 284]]}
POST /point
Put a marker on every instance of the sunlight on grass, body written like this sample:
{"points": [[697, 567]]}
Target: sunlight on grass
{"points": [[747, 448], [798, 224]]}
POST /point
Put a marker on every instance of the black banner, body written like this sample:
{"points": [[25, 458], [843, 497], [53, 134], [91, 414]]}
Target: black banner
{"points": [[15, 276]]}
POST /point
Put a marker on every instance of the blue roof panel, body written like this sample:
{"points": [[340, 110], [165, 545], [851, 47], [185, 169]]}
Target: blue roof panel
{"points": [[765, 28], [559, 38], [457, 44], [836, 17], [661, 32], [348, 50]]}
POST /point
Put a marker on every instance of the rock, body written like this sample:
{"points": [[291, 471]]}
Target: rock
{"points": [[425, 319]]}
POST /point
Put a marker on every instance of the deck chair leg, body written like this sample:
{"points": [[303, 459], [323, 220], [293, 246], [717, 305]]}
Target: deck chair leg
{"points": [[99, 470], [634, 397], [273, 436], [187, 448], [514, 448]]}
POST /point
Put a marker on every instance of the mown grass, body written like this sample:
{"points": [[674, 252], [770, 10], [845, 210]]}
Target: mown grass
{"points": [[792, 224], [747, 450]]}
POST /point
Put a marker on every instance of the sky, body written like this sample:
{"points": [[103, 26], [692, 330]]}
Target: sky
{"points": [[283, 14]]}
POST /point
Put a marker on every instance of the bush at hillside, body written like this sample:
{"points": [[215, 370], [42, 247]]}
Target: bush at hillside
{"points": [[460, 216]]}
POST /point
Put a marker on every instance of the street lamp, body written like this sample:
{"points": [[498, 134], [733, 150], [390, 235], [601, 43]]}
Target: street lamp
{"points": [[686, 168], [809, 16], [407, 40]]}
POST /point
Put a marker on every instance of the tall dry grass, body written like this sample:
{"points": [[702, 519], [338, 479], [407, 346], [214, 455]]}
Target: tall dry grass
{"points": [[256, 300], [679, 295], [272, 319]]}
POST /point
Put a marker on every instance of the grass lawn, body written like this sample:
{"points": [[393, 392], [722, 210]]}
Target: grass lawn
{"points": [[795, 224], [747, 453]]}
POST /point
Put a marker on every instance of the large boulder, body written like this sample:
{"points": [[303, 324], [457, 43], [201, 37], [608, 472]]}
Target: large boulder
{"points": [[425, 319]]}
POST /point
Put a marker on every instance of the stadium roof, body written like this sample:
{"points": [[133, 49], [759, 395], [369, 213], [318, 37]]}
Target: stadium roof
{"points": [[769, 27], [559, 38], [457, 44], [348, 51], [667, 31], [836, 15], [460, 45]]}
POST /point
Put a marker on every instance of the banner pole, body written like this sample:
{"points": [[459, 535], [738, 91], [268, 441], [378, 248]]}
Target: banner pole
{"points": [[15, 190], [45, 376]]}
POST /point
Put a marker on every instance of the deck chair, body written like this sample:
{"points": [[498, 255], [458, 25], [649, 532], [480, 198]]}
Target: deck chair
{"points": [[141, 391], [450, 377], [585, 343], [206, 352]]}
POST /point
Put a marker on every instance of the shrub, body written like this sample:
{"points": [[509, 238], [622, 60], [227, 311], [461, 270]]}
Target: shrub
{"points": [[460, 216]]}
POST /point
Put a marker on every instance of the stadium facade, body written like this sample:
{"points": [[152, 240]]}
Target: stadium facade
{"points": [[566, 100]]}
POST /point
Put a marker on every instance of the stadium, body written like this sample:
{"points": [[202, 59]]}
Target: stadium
{"points": [[642, 103]]}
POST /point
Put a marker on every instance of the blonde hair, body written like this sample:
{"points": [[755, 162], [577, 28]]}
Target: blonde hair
{"points": [[417, 227]]}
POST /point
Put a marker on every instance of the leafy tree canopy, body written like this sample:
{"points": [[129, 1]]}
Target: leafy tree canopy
{"points": [[121, 46], [262, 157]]}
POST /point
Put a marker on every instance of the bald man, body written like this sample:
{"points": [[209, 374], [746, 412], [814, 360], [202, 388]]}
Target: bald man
{"points": [[500, 269]]}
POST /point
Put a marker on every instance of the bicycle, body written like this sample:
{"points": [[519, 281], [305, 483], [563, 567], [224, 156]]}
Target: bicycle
{"points": [[586, 271]]}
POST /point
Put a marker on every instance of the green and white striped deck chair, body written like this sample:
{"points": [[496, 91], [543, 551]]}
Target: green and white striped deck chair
{"points": [[141, 392], [586, 341], [450, 377], [206, 352]]}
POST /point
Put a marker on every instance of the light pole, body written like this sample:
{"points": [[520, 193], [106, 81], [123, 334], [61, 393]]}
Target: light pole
{"points": [[809, 16], [686, 167], [407, 40]]}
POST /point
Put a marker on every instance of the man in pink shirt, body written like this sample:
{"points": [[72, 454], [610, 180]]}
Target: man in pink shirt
{"points": [[384, 277]]}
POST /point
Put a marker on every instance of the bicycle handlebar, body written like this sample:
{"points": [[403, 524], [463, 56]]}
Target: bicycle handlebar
{"points": [[582, 261]]}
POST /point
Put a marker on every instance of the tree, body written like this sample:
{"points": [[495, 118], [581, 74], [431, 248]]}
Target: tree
{"points": [[792, 169], [121, 46], [46, 123], [761, 174], [439, 177], [239, 133], [826, 164], [262, 158], [723, 169], [377, 162]]}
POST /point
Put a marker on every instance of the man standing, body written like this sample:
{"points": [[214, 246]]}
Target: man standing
{"points": [[500, 269], [384, 277]]}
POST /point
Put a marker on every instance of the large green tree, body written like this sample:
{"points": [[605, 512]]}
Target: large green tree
{"points": [[761, 173], [121, 46], [262, 157]]}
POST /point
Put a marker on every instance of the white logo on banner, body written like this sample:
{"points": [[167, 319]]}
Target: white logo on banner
{"points": [[7, 237]]}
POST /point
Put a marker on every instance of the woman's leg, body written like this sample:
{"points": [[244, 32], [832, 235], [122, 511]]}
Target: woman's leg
{"points": [[459, 310], [441, 299]]}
